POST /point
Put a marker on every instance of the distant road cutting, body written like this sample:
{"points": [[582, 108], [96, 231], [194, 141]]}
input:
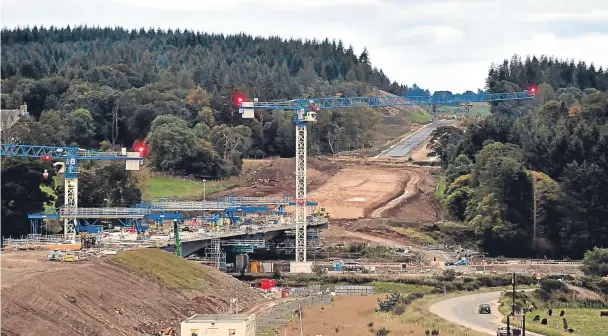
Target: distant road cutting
{"points": [[415, 140]]}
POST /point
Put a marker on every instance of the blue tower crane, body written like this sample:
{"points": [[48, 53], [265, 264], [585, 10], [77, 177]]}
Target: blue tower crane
{"points": [[305, 111], [67, 162]]}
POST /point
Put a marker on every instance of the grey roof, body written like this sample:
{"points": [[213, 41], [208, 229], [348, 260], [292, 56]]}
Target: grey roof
{"points": [[218, 318]]}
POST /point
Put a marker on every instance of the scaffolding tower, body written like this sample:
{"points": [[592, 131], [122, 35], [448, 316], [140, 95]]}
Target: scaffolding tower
{"points": [[214, 253]]}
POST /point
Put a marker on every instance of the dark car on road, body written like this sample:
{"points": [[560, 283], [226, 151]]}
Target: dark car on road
{"points": [[485, 309]]}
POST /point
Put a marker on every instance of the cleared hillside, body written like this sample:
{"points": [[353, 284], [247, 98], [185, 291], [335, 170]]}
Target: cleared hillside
{"points": [[133, 293]]}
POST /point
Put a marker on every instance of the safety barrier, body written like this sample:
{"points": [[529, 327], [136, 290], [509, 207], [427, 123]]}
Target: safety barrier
{"points": [[74, 212]]}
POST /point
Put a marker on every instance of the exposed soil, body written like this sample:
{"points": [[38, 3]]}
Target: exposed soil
{"points": [[420, 205], [101, 297], [348, 315], [421, 153], [354, 189], [278, 178]]}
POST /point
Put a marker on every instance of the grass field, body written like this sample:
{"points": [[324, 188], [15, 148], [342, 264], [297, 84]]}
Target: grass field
{"points": [[584, 321], [174, 272], [161, 186]]}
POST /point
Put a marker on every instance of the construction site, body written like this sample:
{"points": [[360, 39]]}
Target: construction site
{"points": [[145, 269]]}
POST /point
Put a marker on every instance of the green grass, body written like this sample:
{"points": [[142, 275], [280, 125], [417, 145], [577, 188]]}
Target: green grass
{"points": [[441, 187], [160, 186], [584, 321], [396, 125], [420, 118], [49, 191], [393, 287], [174, 272]]}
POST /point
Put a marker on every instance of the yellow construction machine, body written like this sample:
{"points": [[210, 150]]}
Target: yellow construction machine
{"points": [[321, 213]]}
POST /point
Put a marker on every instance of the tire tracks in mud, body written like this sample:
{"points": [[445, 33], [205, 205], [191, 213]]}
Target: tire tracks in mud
{"points": [[410, 190]]}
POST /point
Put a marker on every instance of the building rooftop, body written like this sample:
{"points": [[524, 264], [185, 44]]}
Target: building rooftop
{"points": [[218, 318]]}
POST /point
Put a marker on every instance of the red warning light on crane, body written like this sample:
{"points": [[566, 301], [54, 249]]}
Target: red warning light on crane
{"points": [[141, 148], [239, 99]]}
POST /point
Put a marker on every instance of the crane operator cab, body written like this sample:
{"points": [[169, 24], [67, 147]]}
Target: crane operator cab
{"points": [[307, 116]]}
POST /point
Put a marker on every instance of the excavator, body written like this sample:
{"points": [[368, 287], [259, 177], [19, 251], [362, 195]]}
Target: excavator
{"points": [[87, 241]]}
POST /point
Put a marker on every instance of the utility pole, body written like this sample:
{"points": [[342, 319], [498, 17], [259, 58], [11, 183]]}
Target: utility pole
{"points": [[204, 190], [301, 327], [534, 216], [513, 305], [523, 323]]}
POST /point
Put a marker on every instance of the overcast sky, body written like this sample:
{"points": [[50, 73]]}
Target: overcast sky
{"points": [[438, 44]]}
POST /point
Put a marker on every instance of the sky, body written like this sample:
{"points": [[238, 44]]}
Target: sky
{"points": [[437, 44]]}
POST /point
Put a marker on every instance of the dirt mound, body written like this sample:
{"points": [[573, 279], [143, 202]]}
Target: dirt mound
{"points": [[278, 178], [109, 296]]}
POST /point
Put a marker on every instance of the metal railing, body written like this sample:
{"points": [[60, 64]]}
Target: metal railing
{"points": [[77, 212], [34, 240], [259, 200], [181, 206]]}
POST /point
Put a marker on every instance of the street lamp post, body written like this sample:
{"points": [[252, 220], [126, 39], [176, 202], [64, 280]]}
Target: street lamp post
{"points": [[513, 305], [204, 190]]}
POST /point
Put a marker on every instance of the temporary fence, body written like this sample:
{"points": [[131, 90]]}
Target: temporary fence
{"points": [[34, 239], [355, 290], [279, 314]]}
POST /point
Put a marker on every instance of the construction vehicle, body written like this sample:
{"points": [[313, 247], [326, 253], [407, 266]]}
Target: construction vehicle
{"points": [[86, 241], [55, 255], [69, 257], [321, 213]]}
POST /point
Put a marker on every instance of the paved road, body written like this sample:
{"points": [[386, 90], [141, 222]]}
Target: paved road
{"points": [[462, 310], [409, 144]]}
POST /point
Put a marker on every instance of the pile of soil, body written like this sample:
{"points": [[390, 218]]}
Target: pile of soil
{"points": [[102, 297], [278, 178]]}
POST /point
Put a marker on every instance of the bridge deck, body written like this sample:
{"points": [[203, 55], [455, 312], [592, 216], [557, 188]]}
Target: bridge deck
{"points": [[189, 237], [69, 212]]}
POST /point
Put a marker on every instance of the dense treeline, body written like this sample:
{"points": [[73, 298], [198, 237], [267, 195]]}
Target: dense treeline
{"points": [[539, 164], [105, 87]]}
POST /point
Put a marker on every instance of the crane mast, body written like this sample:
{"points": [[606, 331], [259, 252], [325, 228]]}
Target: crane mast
{"points": [[68, 158], [305, 112]]}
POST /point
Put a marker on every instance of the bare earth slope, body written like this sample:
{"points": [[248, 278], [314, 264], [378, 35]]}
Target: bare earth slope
{"points": [[104, 296]]}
